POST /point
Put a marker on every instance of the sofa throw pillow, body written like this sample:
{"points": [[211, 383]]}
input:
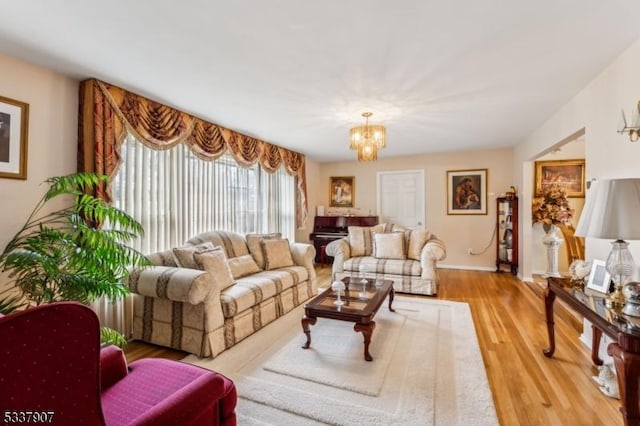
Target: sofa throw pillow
{"points": [[389, 246], [253, 242], [215, 263], [184, 255], [360, 239], [277, 254], [415, 240], [242, 266]]}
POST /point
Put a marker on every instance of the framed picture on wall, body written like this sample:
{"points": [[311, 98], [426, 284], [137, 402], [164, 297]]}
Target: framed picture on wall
{"points": [[599, 279], [467, 191], [567, 174], [14, 124], [341, 191]]}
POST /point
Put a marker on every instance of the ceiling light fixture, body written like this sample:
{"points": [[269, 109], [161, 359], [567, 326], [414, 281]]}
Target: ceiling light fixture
{"points": [[632, 128], [367, 139]]}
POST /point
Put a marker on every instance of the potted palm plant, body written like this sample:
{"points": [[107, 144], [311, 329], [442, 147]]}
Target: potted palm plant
{"points": [[64, 253]]}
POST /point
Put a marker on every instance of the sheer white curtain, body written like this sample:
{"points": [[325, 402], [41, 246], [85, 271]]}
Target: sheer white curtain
{"points": [[176, 195]]}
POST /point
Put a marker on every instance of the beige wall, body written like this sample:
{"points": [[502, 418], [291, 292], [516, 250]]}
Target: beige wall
{"points": [[607, 154], [458, 232], [53, 111]]}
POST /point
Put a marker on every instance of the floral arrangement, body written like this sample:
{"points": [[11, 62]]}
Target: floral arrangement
{"points": [[552, 208]]}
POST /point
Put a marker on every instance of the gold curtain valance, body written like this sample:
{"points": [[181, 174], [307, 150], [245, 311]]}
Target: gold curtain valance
{"points": [[108, 112]]}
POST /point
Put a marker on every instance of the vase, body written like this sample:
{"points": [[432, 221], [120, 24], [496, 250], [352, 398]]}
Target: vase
{"points": [[552, 241]]}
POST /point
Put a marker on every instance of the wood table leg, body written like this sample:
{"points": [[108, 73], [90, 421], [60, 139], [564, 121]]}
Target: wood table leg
{"points": [[367, 331], [595, 345], [305, 327], [549, 298], [628, 370], [392, 294]]}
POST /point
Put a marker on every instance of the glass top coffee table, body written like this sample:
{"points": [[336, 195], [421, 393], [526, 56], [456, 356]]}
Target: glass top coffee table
{"points": [[359, 305]]}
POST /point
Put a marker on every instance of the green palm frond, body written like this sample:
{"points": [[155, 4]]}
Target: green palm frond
{"points": [[63, 255], [109, 336]]}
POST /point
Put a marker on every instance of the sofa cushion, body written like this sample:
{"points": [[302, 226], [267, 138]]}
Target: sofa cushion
{"points": [[232, 243], [370, 264], [277, 254], [361, 239], [253, 289], [389, 246], [184, 255], [215, 263], [253, 242], [162, 258], [242, 266], [415, 239]]}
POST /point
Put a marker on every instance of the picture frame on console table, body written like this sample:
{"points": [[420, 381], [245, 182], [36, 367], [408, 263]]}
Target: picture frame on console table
{"points": [[467, 191], [599, 279], [14, 125], [341, 191], [567, 174]]}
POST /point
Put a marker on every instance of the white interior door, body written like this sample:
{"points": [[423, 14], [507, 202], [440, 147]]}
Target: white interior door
{"points": [[401, 198]]}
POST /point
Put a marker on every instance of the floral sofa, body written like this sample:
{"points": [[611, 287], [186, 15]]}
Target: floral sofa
{"points": [[218, 289], [386, 251]]}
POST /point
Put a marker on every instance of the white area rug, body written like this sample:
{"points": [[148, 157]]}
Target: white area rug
{"points": [[427, 370]]}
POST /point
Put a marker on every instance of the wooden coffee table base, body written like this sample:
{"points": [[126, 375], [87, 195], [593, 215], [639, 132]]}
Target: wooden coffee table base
{"points": [[363, 321]]}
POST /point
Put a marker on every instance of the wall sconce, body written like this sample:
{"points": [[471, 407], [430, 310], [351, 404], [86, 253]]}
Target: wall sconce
{"points": [[632, 127]]}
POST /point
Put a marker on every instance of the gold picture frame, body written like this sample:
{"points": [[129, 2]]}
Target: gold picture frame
{"points": [[467, 191], [342, 191], [14, 127], [568, 174]]}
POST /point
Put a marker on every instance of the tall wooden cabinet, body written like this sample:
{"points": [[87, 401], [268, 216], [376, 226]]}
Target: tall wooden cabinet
{"points": [[507, 228]]}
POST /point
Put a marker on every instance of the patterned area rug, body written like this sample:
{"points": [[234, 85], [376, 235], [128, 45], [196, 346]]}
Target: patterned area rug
{"points": [[427, 370]]}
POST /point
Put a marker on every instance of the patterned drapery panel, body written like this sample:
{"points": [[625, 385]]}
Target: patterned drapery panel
{"points": [[108, 112]]}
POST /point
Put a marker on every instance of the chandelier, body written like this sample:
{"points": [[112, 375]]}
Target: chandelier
{"points": [[367, 139]]}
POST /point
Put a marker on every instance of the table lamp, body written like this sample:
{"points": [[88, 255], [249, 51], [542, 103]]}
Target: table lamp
{"points": [[612, 211]]}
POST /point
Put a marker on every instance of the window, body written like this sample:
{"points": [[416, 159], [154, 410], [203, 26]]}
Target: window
{"points": [[176, 195]]}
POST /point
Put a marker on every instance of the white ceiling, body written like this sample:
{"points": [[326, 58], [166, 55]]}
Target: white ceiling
{"points": [[441, 75]]}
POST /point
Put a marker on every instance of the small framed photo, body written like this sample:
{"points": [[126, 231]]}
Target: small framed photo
{"points": [[14, 124], [341, 191], [467, 191], [567, 174], [599, 279]]}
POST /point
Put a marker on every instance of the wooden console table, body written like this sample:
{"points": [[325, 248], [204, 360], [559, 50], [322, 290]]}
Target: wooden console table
{"points": [[625, 349]]}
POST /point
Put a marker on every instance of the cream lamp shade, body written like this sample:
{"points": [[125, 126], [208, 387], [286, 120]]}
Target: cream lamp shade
{"points": [[612, 210]]}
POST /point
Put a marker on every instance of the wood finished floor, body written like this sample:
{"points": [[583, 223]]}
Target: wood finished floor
{"points": [[528, 388]]}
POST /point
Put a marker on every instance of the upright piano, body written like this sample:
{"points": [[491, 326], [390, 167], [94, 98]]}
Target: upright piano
{"points": [[329, 228]]}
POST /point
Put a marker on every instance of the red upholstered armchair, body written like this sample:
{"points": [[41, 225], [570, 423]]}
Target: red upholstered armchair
{"points": [[51, 366]]}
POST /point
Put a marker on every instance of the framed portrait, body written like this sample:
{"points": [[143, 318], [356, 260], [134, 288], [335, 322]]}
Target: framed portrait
{"points": [[14, 124], [567, 174], [599, 279], [467, 191], [341, 191]]}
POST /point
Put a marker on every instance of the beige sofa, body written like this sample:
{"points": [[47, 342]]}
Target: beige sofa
{"points": [[247, 284], [407, 257]]}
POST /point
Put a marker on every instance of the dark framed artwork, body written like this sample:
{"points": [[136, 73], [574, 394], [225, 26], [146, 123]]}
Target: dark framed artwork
{"points": [[341, 191], [14, 124], [567, 174], [467, 191]]}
